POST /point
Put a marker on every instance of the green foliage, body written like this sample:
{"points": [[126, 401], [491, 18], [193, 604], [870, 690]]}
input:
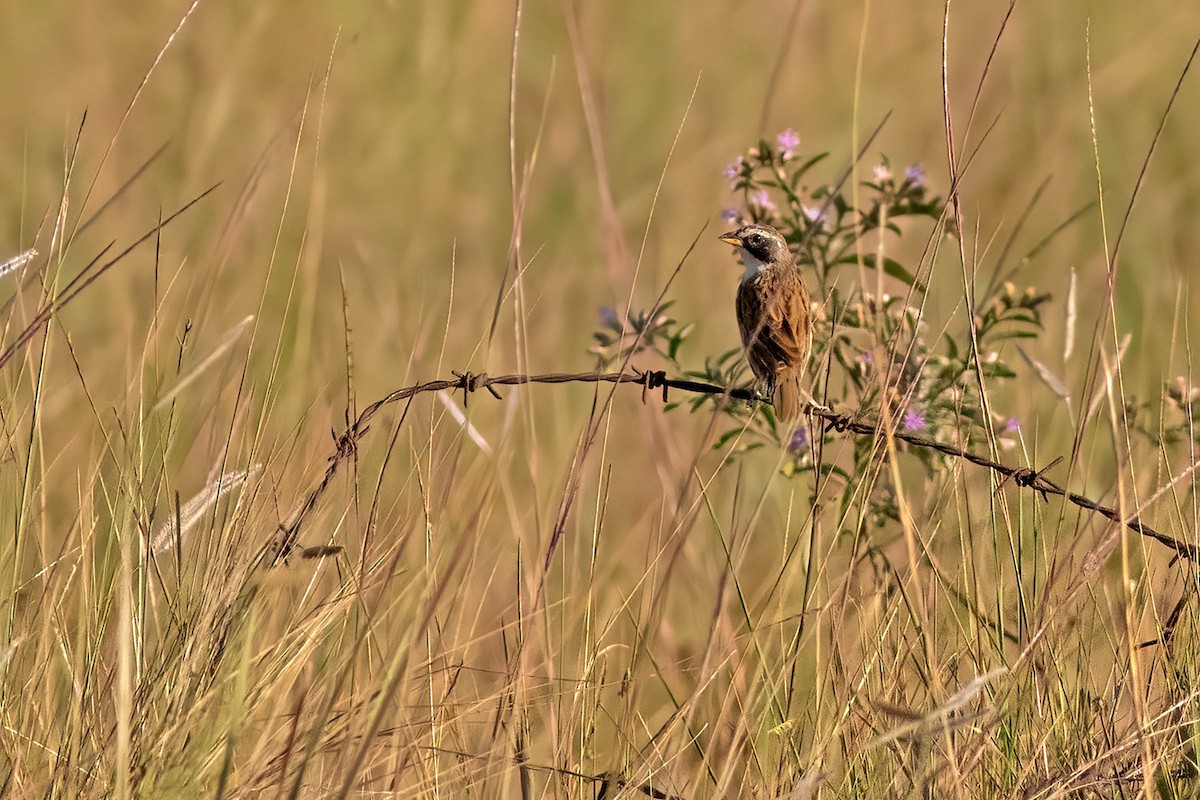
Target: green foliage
{"points": [[822, 221], [620, 337], [871, 355], [1180, 408]]}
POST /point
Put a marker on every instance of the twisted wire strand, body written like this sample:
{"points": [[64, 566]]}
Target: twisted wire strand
{"points": [[347, 442]]}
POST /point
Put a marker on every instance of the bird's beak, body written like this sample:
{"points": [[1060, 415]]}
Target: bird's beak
{"points": [[730, 238]]}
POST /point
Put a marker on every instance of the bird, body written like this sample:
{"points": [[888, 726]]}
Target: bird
{"points": [[773, 316]]}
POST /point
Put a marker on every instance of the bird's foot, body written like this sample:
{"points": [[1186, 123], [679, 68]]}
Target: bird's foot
{"points": [[813, 405]]}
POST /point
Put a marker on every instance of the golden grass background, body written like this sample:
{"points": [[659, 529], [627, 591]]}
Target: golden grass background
{"points": [[363, 155]]}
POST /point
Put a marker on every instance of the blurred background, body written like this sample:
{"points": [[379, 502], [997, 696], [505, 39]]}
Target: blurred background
{"points": [[398, 166], [403, 156], [361, 154]]}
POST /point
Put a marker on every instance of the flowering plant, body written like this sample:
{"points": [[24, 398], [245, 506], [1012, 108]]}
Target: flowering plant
{"points": [[872, 354]]}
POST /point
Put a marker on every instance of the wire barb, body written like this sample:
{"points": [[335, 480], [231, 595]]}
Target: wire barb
{"points": [[469, 382], [651, 380], [837, 422], [1028, 478]]}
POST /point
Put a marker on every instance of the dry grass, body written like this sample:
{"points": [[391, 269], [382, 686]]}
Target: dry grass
{"points": [[568, 591]]}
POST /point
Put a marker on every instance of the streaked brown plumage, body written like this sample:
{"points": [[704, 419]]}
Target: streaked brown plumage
{"points": [[773, 316]]}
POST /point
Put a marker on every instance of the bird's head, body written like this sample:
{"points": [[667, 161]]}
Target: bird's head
{"points": [[761, 246]]}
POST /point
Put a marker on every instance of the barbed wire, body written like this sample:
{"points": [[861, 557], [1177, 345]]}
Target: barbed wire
{"points": [[346, 445]]}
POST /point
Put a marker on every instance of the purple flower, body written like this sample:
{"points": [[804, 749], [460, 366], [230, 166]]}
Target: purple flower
{"points": [[731, 215], [734, 168], [915, 175], [867, 358], [816, 216], [799, 442], [882, 173], [1013, 426], [914, 420], [608, 315], [788, 141], [762, 200]]}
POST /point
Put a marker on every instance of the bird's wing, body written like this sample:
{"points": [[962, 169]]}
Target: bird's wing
{"points": [[751, 323], [787, 329]]}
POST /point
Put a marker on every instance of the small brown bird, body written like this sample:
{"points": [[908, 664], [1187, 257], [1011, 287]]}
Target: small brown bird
{"points": [[773, 316]]}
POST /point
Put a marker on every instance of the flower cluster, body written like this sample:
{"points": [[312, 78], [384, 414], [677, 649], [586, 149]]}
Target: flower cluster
{"points": [[1171, 418], [877, 360], [622, 335], [819, 219]]}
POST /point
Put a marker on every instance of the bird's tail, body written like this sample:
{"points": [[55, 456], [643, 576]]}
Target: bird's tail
{"points": [[789, 397]]}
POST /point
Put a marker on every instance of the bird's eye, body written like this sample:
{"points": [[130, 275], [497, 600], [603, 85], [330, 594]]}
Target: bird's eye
{"points": [[756, 240]]}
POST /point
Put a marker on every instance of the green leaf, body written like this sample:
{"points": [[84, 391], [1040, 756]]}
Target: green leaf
{"points": [[951, 347], [996, 337], [997, 370], [725, 437], [805, 167]]}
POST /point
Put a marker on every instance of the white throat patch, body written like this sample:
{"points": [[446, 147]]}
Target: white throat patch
{"points": [[753, 265]]}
